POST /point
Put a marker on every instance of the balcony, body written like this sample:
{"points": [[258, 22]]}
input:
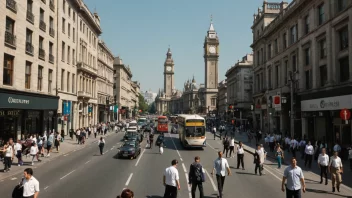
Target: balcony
{"points": [[12, 5], [86, 68], [84, 95], [52, 32], [52, 6], [41, 54], [30, 17], [51, 58], [42, 25], [29, 48], [10, 39]]}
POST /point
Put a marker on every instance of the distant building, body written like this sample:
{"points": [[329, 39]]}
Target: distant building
{"points": [[149, 96], [222, 99]]}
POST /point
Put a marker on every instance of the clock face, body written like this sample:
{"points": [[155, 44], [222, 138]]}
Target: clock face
{"points": [[168, 68], [212, 49]]}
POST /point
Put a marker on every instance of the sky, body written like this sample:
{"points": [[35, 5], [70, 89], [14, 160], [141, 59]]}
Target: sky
{"points": [[140, 32]]}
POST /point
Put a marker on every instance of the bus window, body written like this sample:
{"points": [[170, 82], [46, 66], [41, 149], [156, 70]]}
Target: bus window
{"points": [[195, 131]]}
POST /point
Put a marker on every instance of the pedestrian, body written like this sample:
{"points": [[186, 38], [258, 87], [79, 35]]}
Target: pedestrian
{"points": [[295, 180], [126, 193], [214, 132], [40, 146], [258, 160], [171, 180], [57, 142], [196, 177], [18, 150], [350, 156], [279, 156], [34, 152], [8, 150], [49, 143], [62, 135], [30, 184], [309, 152], [240, 155], [78, 136], [323, 162], [232, 146], [95, 131], [293, 146], [101, 144], [226, 144], [335, 168], [161, 148], [220, 166]]}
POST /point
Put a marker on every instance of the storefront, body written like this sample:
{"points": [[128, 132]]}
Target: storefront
{"points": [[321, 120], [22, 114], [103, 113]]}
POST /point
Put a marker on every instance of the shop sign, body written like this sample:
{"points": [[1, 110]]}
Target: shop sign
{"points": [[345, 114], [327, 104], [277, 102], [17, 101], [14, 113], [67, 107]]}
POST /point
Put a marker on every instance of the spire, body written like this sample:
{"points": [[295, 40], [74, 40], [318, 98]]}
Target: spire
{"points": [[193, 80], [211, 28]]}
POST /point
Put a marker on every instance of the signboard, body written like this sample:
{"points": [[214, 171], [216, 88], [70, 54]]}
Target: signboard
{"points": [[90, 109], [277, 102], [116, 108], [327, 104], [345, 114], [66, 107], [17, 101]]}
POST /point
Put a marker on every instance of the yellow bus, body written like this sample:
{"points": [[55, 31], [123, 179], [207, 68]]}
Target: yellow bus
{"points": [[191, 129]]}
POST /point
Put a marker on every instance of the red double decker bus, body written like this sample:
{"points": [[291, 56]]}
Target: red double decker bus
{"points": [[163, 123]]}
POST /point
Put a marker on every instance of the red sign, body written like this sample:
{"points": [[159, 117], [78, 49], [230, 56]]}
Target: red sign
{"points": [[345, 114], [277, 100]]}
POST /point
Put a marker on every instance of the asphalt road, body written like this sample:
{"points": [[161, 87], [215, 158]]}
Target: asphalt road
{"points": [[84, 173]]}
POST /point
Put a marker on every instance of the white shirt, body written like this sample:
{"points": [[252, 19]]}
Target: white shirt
{"points": [[9, 152], [18, 147], [232, 142], [34, 150], [337, 148], [261, 155], [171, 175], [220, 165], [323, 159], [335, 162], [240, 150], [34, 139], [101, 141], [287, 140], [309, 150], [30, 187], [271, 139]]}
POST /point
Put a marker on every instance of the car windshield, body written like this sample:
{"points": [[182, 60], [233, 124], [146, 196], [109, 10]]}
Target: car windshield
{"points": [[130, 133], [194, 131], [129, 144], [132, 124]]}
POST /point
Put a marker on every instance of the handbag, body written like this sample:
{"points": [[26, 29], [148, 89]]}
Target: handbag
{"points": [[18, 190]]}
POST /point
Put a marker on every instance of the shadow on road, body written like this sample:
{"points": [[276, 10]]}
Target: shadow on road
{"points": [[245, 173], [325, 192]]}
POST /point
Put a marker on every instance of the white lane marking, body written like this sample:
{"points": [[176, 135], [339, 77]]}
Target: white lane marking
{"points": [[175, 146], [87, 162], [181, 159], [106, 151], [46, 187], [129, 179], [66, 155], [14, 178], [184, 168], [272, 173], [111, 149], [73, 150], [67, 174], [212, 147], [1, 180], [188, 187], [140, 157], [211, 181]]}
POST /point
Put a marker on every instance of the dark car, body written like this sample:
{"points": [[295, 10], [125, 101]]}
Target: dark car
{"points": [[159, 140], [130, 149]]}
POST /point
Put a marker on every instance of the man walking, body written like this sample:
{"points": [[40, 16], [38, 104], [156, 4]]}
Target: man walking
{"points": [[335, 168], [323, 162], [295, 180], [171, 180], [30, 184], [196, 177], [309, 151], [220, 166]]}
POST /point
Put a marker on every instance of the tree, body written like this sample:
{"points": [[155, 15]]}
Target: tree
{"points": [[152, 108], [142, 104]]}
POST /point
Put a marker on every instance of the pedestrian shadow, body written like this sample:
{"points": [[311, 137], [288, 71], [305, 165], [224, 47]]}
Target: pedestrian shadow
{"points": [[154, 196], [97, 155], [325, 192], [245, 173]]}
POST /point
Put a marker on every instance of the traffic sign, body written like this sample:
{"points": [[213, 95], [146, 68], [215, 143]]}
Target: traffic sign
{"points": [[345, 114]]}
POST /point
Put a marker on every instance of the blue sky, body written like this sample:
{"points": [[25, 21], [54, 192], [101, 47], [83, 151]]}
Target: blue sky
{"points": [[140, 31]]}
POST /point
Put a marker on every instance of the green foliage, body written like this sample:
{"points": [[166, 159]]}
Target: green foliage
{"points": [[166, 113], [152, 108], [142, 104]]}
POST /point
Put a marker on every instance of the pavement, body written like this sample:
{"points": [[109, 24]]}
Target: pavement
{"points": [[85, 173]]}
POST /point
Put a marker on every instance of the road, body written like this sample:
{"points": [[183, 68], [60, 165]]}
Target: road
{"points": [[84, 173]]}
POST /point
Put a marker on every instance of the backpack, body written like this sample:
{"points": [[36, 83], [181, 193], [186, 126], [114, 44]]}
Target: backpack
{"points": [[198, 173]]}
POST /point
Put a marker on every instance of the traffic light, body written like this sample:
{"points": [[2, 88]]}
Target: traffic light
{"points": [[233, 121], [230, 107]]}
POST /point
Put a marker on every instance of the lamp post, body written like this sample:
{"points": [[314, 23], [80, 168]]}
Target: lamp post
{"points": [[269, 121]]}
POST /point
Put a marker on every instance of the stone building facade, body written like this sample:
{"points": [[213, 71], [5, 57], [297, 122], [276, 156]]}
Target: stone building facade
{"points": [[222, 99], [306, 44]]}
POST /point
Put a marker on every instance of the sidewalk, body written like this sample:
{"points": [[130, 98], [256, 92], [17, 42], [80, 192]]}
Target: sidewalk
{"points": [[65, 147], [250, 147]]}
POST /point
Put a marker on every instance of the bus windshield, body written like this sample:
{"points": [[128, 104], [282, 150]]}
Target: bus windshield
{"points": [[195, 131], [162, 121]]}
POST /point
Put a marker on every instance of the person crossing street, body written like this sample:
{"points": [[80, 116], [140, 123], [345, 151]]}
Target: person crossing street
{"points": [[196, 177], [220, 166], [171, 180], [293, 174]]}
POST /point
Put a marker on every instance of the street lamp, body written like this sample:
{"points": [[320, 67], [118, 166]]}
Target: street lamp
{"points": [[269, 121]]}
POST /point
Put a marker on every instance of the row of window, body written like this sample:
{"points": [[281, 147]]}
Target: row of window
{"points": [[70, 84], [67, 54], [68, 30], [42, 24]]}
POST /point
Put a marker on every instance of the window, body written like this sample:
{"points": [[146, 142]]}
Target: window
{"points": [[307, 56], [213, 102], [322, 46], [51, 22], [74, 16], [343, 35], [51, 45], [294, 63], [323, 75], [277, 76], [341, 5], [50, 80], [68, 82], [28, 75], [269, 51], [74, 34], [63, 25], [69, 11], [269, 79], [344, 69], [308, 79], [293, 34], [41, 42], [40, 78], [284, 40], [62, 79], [285, 72], [80, 25], [8, 70], [69, 30], [258, 58], [73, 56], [29, 45], [10, 38], [321, 14], [84, 27], [73, 83], [64, 5], [68, 54], [306, 25], [63, 51], [276, 47]]}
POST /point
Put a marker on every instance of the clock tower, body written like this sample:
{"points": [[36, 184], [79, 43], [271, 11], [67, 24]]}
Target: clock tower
{"points": [[169, 81]]}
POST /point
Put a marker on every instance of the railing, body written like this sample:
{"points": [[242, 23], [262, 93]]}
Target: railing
{"points": [[51, 5], [273, 6], [12, 5], [52, 32], [87, 68], [29, 48], [41, 53], [42, 25], [30, 16], [84, 94], [51, 58], [10, 38]]}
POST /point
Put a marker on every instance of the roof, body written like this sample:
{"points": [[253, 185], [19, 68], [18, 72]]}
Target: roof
{"points": [[191, 116]]}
